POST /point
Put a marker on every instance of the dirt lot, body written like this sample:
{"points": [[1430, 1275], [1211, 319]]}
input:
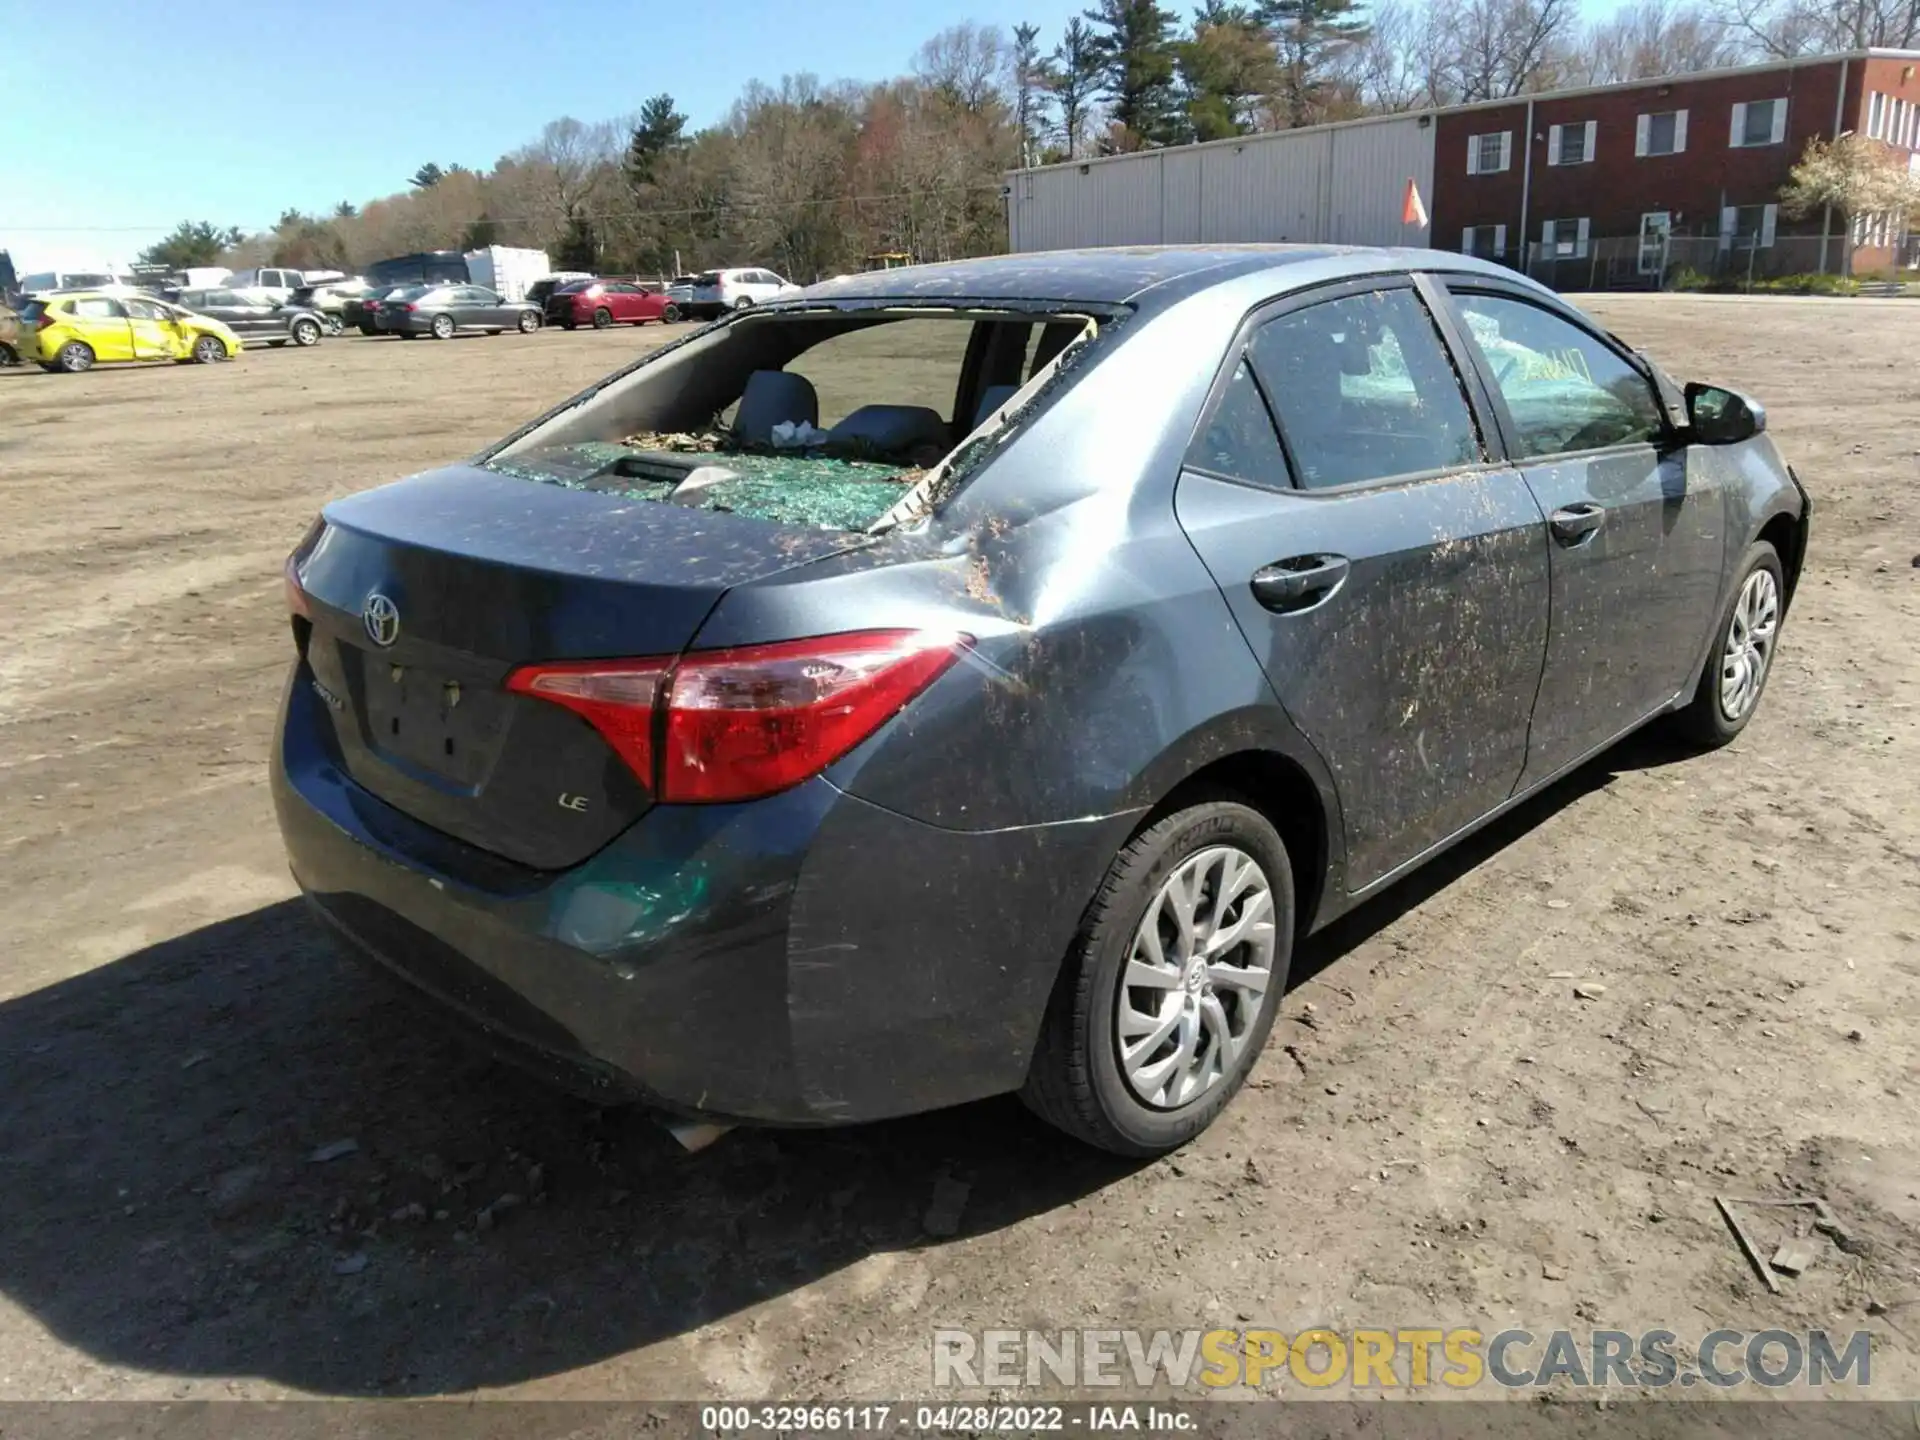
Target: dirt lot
{"points": [[1440, 1132]]}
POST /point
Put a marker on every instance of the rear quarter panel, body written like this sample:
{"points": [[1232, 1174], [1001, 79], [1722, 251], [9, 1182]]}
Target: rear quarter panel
{"points": [[1107, 666]]}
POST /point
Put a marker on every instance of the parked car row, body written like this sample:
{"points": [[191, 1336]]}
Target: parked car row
{"points": [[73, 329]]}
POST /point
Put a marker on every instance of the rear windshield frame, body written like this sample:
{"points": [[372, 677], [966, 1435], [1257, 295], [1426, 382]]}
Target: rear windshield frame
{"points": [[943, 480]]}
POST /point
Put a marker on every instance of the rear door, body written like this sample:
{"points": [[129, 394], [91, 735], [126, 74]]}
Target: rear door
{"points": [[103, 324], [1391, 577], [1637, 521]]}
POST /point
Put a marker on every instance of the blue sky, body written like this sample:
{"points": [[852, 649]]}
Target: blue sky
{"points": [[231, 112]]}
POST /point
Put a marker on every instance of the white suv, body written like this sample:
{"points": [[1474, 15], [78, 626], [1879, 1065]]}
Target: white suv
{"points": [[718, 291]]}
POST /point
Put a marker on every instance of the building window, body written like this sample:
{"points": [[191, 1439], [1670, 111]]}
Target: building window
{"points": [[1662, 134], [1489, 242], [1564, 239], [1758, 122], [1490, 153], [1878, 231], [1571, 144], [1748, 227]]}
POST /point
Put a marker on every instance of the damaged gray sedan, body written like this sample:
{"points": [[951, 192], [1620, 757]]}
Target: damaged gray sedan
{"points": [[975, 678]]}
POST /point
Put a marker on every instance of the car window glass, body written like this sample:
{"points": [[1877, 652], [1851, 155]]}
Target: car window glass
{"points": [[1240, 440], [1566, 389], [99, 309], [1363, 390], [147, 310]]}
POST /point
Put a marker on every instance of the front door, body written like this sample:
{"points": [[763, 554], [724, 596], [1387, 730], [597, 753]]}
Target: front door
{"points": [[1656, 227], [1391, 579], [151, 327], [1637, 521]]}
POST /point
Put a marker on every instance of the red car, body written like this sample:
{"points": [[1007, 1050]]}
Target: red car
{"points": [[601, 303]]}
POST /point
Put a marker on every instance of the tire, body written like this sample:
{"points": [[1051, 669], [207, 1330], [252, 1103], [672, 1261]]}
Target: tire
{"points": [[493, 330], [307, 332], [442, 327], [335, 326], [368, 331], [75, 357], [275, 344], [1749, 626], [745, 302], [603, 319], [1077, 1080], [208, 349], [529, 322], [670, 315], [568, 325], [8, 355]]}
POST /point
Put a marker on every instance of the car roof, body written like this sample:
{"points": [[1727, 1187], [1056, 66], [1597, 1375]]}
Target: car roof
{"points": [[1126, 274]]}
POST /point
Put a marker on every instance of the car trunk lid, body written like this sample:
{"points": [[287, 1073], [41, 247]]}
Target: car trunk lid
{"points": [[424, 596]]}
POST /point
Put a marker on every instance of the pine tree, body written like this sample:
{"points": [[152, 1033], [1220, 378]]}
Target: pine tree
{"points": [[1226, 66], [427, 176], [1074, 79], [1309, 35], [660, 129], [1030, 86], [1134, 40]]}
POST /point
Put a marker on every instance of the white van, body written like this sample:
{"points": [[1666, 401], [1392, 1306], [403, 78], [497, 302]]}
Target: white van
{"points": [[272, 283], [43, 282]]}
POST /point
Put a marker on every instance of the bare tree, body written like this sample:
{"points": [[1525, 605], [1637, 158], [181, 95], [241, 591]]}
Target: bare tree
{"points": [[1786, 28], [1502, 48], [969, 63], [1653, 37], [1401, 65]]}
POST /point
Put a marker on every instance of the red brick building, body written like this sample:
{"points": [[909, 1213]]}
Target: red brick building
{"points": [[1622, 180]]}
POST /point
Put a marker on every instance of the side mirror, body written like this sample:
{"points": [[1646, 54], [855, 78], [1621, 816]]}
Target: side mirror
{"points": [[1722, 417]]}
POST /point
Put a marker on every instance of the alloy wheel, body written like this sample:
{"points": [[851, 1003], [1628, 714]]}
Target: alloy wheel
{"points": [[1749, 648], [1195, 977]]}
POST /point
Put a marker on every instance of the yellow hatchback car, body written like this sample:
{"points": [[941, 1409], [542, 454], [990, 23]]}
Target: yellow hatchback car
{"points": [[76, 330]]}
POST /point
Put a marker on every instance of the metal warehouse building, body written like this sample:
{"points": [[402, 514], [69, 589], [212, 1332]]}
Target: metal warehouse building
{"points": [[1341, 183], [1606, 185]]}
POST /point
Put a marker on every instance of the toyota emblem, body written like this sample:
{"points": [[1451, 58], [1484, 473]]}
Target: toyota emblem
{"points": [[382, 619]]}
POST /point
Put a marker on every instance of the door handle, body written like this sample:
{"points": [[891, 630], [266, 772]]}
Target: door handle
{"points": [[1300, 583], [1574, 523]]}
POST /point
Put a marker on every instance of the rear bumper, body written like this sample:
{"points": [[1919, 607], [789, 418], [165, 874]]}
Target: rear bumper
{"points": [[804, 959]]}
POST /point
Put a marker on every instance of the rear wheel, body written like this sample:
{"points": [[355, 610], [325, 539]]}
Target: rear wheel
{"points": [[209, 348], [529, 322], [602, 318], [745, 302], [306, 332], [1742, 655], [74, 357], [8, 355], [1172, 984], [442, 327]]}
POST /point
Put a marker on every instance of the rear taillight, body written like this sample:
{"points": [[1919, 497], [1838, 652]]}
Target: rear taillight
{"points": [[737, 724], [408, 308], [45, 322], [297, 600]]}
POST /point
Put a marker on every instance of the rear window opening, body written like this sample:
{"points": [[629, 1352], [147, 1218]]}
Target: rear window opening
{"points": [[805, 418]]}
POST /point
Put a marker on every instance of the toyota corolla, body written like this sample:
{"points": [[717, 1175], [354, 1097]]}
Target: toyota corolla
{"points": [[975, 678]]}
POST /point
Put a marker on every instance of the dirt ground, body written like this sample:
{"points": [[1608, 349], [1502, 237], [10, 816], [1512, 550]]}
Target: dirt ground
{"points": [[1440, 1132]]}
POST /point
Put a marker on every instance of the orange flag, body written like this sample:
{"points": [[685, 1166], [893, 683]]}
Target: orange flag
{"points": [[1414, 211]]}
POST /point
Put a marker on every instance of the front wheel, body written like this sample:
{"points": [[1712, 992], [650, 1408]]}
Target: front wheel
{"points": [[670, 315], [1172, 984], [442, 327], [74, 357], [306, 332], [1742, 655], [529, 322]]}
